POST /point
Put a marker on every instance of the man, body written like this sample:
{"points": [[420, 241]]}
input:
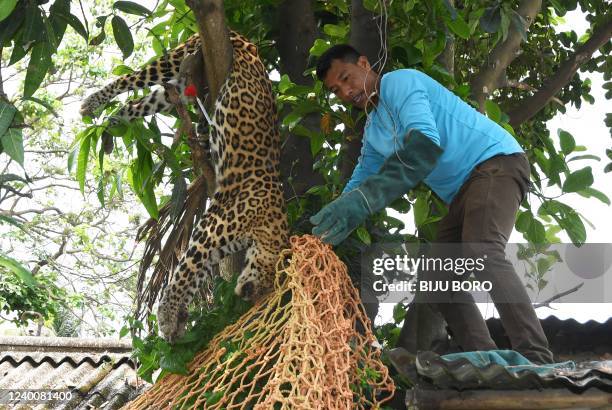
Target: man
{"points": [[417, 130]]}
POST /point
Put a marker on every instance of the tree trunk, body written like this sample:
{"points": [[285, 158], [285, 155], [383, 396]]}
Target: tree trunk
{"points": [[368, 36], [216, 47], [297, 33], [217, 53]]}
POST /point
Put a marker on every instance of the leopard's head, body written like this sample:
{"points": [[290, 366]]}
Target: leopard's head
{"points": [[172, 318]]}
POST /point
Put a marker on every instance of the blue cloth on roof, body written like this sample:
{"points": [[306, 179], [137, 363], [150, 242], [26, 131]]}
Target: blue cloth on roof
{"points": [[411, 99], [511, 360]]}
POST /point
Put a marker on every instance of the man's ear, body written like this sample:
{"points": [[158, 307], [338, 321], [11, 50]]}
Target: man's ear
{"points": [[363, 62]]}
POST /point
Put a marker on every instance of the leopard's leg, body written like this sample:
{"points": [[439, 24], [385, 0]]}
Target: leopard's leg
{"points": [[207, 246], [157, 101], [162, 70]]}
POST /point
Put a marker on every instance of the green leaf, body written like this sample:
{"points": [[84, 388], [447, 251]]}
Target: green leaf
{"points": [[491, 19], [75, 23], [459, 27], [592, 192], [82, 161], [421, 211], [317, 139], [97, 40], [122, 69], [574, 227], [33, 25], [12, 221], [519, 24], [568, 144], [71, 157], [319, 47], [493, 110], [9, 27], [124, 331], [579, 157], [334, 30], [364, 235], [399, 313], [132, 8], [18, 270], [523, 222], [12, 142], [100, 190], [578, 180], [173, 364], [6, 8], [7, 113], [123, 37], [536, 232], [40, 62]]}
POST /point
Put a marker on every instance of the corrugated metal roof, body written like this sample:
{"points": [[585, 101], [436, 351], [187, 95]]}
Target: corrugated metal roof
{"points": [[566, 337], [97, 372], [459, 385]]}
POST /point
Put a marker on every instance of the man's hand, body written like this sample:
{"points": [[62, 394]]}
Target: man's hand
{"points": [[339, 218]]}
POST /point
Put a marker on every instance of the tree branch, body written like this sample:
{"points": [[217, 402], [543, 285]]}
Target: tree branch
{"points": [[200, 162], [216, 47], [557, 296], [493, 70], [531, 105]]}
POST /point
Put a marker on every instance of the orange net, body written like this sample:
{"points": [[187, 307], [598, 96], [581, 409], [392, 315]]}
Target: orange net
{"points": [[297, 348]]}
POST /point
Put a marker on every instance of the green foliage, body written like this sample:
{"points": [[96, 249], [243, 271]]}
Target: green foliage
{"points": [[154, 353], [20, 291]]}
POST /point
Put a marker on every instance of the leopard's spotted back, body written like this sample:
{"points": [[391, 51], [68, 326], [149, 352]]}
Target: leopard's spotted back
{"points": [[247, 210]]}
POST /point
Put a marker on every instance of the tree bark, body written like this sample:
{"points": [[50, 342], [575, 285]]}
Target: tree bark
{"points": [[531, 105], [298, 30], [368, 36], [492, 73], [216, 47]]}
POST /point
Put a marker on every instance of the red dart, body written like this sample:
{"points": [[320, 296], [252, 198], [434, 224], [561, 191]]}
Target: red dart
{"points": [[190, 91]]}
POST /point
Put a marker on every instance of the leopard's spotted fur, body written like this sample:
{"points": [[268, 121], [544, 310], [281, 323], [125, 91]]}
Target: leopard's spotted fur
{"points": [[247, 210]]}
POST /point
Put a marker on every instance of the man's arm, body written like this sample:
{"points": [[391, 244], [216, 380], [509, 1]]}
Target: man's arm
{"points": [[368, 164], [407, 99]]}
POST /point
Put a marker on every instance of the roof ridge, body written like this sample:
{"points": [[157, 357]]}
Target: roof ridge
{"points": [[89, 345]]}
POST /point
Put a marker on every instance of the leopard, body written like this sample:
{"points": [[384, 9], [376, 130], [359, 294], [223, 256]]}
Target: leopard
{"points": [[247, 211]]}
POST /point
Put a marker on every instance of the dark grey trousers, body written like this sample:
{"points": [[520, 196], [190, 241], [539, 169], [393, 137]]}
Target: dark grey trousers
{"points": [[484, 212]]}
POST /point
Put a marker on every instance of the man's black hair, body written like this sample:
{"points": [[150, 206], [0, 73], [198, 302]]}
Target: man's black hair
{"points": [[342, 52]]}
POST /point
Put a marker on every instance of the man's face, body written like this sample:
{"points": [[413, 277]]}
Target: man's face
{"points": [[353, 83]]}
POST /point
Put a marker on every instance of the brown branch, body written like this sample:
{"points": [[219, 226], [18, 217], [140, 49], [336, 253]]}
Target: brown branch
{"points": [[492, 72], [216, 47], [201, 164], [531, 105], [557, 296], [53, 257]]}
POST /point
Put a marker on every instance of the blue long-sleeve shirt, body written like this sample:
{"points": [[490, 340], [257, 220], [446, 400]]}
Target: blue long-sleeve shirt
{"points": [[411, 99]]}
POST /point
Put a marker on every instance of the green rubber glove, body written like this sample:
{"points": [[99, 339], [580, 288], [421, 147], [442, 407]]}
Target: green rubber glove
{"points": [[401, 172]]}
